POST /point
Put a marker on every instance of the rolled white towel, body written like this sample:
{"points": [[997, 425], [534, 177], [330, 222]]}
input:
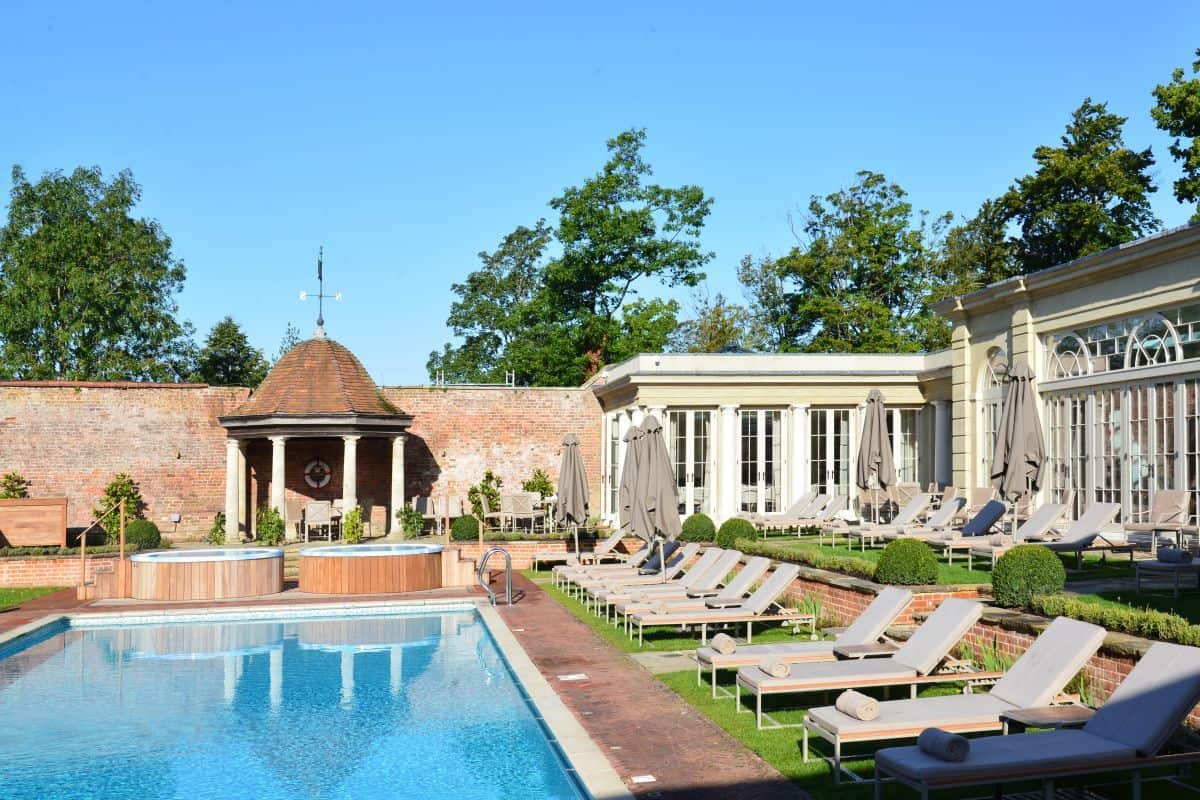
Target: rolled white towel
{"points": [[944, 745], [637, 596], [775, 667], [857, 705], [660, 608], [999, 540], [723, 643]]}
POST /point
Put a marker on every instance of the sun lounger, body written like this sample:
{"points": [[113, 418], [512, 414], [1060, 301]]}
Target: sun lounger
{"points": [[916, 662], [703, 577], [906, 517], [793, 516], [676, 563], [1127, 735], [867, 629], [1085, 534], [761, 606], [1173, 570], [938, 522], [982, 524], [562, 573], [796, 509], [731, 595], [1034, 529], [1168, 514], [704, 573], [601, 551], [1034, 681]]}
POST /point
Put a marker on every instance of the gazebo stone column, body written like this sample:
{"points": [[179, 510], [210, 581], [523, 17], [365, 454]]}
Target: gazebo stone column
{"points": [[349, 473], [397, 493], [233, 455], [278, 459]]}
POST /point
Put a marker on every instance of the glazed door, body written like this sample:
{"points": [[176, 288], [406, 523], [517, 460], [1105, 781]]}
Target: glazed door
{"points": [[689, 433], [761, 460]]}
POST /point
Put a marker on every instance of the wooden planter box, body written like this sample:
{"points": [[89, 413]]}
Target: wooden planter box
{"points": [[33, 522]]}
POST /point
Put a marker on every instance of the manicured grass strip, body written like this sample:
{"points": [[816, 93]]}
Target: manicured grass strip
{"points": [[947, 573], [656, 639], [16, 596]]}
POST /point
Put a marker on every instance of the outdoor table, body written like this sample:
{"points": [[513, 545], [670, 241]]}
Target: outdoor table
{"points": [[1050, 717]]}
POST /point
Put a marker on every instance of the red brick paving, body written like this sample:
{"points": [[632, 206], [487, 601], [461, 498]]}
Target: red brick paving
{"points": [[623, 705]]}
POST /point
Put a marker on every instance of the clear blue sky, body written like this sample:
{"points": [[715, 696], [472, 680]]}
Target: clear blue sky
{"points": [[406, 140]]}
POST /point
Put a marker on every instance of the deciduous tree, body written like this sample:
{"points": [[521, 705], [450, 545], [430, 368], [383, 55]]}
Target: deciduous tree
{"points": [[1177, 111], [87, 290], [1088, 194]]}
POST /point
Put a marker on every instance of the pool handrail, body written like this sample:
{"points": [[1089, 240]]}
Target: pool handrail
{"points": [[507, 575]]}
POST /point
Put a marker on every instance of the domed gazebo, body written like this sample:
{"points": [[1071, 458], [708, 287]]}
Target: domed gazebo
{"points": [[318, 392]]}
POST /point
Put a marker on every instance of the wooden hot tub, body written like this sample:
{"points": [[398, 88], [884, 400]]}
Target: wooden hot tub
{"points": [[371, 569], [220, 574]]}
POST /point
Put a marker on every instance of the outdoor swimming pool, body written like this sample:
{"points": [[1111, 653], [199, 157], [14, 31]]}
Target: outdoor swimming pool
{"points": [[413, 705]]}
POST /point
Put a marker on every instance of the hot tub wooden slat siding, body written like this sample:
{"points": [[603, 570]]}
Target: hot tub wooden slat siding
{"points": [[207, 580], [382, 574]]}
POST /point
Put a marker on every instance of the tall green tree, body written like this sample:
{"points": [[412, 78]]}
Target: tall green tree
{"points": [[865, 278], [556, 320], [228, 359], [87, 290], [496, 310], [765, 286], [1177, 111], [1088, 194], [616, 230]]}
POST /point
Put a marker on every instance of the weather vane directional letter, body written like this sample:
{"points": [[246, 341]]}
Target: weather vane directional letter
{"points": [[320, 295]]}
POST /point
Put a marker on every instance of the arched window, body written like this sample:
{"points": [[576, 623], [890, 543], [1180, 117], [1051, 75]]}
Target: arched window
{"points": [[1069, 358], [991, 401], [1152, 341]]}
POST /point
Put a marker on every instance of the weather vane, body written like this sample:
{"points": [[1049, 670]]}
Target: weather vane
{"points": [[320, 295]]}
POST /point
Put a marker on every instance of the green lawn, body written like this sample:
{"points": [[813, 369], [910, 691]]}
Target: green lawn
{"points": [[14, 597], [656, 639], [947, 573]]}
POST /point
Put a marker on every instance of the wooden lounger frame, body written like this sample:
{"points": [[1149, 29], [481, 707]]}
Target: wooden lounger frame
{"points": [[950, 670]]}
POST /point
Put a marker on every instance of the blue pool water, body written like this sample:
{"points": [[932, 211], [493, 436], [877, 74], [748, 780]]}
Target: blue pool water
{"points": [[398, 706]]}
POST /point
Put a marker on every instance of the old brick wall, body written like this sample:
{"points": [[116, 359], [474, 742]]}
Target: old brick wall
{"points": [[458, 432], [70, 439], [51, 570]]}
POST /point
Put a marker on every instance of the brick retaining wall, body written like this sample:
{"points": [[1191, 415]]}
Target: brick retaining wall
{"points": [[51, 570]]}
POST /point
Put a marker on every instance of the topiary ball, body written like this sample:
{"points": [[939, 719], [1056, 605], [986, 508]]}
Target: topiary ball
{"points": [[142, 534], [698, 528], [907, 562], [733, 529], [464, 529], [1024, 571]]}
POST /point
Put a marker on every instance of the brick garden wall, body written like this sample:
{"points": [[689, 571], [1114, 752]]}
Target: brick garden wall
{"points": [[457, 433], [70, 439]]}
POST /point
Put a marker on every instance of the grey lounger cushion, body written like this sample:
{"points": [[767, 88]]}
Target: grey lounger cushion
{"points": [[950, 712], [1153, 700], [873, 622], [1049, 664], [998, 757], [926, 648], [823, 674]]}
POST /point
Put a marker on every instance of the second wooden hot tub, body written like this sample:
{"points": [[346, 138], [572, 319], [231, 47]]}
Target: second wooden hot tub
{"points": [[371, 569]]}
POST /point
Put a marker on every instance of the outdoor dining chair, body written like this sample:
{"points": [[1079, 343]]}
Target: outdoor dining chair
{"points": [[318, 516]]}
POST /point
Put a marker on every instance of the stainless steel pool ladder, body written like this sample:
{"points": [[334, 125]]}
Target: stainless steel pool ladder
{"points": [[507, 575]]}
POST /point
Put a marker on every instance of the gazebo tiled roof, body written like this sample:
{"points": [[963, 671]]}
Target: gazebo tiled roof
{"points": [[317, 377]]}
